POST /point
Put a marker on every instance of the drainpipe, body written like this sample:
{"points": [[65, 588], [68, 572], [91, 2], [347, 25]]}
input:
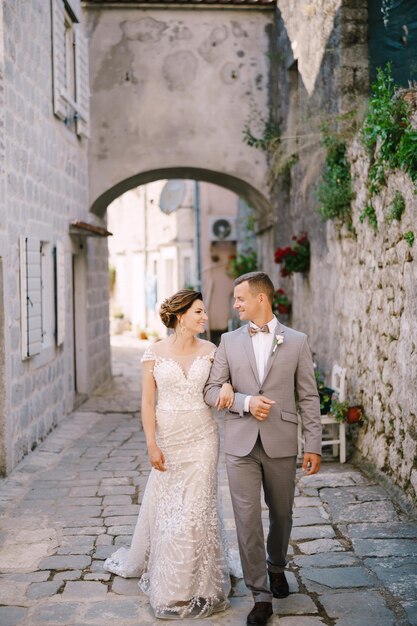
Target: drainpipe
{"points": [[198, 231], [145, 250]]}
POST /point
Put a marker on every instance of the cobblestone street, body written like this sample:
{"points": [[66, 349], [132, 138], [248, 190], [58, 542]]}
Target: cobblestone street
{"points": [[65, 507]]}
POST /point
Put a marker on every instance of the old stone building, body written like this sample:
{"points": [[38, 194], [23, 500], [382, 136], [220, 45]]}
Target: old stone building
{"points": [[49, 269]]}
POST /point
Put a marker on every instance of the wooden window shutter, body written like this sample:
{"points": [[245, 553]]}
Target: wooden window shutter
{"points": [[60, 293], [74, 7], [31, 296], [82, 83], [58, 58]]}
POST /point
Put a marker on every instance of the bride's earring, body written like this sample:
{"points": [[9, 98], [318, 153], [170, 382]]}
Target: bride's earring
{"points": [[182, 328]]}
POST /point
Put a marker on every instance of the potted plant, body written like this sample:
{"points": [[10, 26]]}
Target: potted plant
{"points": [[355, 414], [281, 304], [142, 334], [325, 393], [339, 410], [242, 264], [295, 257], [342, 412]]}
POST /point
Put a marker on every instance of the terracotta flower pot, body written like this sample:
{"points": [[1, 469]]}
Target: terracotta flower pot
{"points": [[354, 414]]}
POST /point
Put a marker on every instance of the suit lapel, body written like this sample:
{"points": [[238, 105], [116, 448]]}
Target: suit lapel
{"points": [[247, 344], [279, 330]]}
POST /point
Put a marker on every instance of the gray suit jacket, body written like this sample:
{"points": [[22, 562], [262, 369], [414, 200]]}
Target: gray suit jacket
{"points": [[289, 373]]}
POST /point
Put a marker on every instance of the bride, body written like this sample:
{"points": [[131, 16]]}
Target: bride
{"points": [[177, 549]]}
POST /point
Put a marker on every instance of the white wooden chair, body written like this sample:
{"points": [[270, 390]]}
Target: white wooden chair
{"points": [[336, 430]]}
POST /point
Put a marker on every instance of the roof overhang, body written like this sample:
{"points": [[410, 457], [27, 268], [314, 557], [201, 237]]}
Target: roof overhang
{"points": [[88, 230], [180, 4]]}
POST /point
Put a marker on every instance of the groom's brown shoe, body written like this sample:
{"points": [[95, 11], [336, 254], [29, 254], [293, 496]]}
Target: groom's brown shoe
{"points": [[260, 614], [278, 584]]}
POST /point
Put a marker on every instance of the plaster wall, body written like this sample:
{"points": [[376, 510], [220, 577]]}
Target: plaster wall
{"points": [[173, 89]]}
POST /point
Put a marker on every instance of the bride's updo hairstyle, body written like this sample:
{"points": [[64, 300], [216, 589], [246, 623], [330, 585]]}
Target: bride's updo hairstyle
{"points": [[176, 305]]}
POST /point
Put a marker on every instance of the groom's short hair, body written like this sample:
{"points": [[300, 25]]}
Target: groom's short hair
{"points": [[259, 282]]}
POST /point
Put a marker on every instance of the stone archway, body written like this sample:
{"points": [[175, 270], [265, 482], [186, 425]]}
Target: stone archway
{"points": [[172, 88], [251, 195]]}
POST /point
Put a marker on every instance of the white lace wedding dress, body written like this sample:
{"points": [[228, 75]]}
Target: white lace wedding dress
{"points": [[177, 549]]}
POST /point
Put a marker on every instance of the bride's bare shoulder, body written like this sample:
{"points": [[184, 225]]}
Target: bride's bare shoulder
{"points": [[160, 346]]}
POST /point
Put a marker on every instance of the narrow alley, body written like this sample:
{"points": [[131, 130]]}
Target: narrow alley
{"points": [[353, 558]]}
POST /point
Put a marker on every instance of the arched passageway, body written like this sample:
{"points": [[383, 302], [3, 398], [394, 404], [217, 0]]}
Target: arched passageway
{"points": [[172, 90], [170, 235], [252, 196]]}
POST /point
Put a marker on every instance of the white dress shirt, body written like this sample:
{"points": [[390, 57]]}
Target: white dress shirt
{"points": [[262, 346]]}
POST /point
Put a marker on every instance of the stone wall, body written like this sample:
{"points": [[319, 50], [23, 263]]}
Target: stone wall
{"points": [[98, 325], [358, 302], [45, 167], [377, 312], [3, 383]]}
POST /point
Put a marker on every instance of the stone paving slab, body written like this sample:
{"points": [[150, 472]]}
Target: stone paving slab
{"points": [[67, 506], [327, 559], [379, 511], [358, 609], [320, 545], [37, 591], [12, 616], [301, 621], [382, 547], [312, 532], [398, 574], [383, 531], [323, 579], [411, 611]]}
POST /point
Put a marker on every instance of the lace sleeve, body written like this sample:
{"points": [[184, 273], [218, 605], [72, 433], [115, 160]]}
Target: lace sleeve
{"points": [[148, 355]]}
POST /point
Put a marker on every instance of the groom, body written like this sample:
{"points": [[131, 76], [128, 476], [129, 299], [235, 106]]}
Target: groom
{"points": [[269, 366]]}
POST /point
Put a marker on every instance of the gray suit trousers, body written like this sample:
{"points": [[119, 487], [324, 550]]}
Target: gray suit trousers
{"points": [[247, 474]]}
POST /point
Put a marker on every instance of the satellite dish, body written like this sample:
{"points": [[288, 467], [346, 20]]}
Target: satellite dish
{"points": [[172, 195]]}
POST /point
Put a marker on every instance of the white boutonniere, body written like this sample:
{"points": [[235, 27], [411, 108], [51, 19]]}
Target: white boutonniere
{"points": [[279, 339]]}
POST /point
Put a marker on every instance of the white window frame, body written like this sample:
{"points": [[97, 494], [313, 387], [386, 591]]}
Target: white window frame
{"points": [[47, 296], [187, 270], [30, 297], [71, 97], [60, 286], [42, 289]]}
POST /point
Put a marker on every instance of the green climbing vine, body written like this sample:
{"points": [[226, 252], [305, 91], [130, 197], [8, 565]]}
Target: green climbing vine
{"points": [[334, 192], [262, 134], [387, 132]]}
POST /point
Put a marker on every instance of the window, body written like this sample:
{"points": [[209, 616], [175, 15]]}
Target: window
{"points": [[155, 273], [169, 276], [70, 66], [47, 295], [42, 288], [69, 57], [188, 281]]}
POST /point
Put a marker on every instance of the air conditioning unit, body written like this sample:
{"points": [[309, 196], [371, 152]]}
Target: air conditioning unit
{"points": [[222, 228]]}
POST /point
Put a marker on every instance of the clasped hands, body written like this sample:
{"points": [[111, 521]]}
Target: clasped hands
{"points": [[225, 398]]}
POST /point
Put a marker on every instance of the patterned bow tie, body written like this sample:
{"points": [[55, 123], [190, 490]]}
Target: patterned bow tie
{"points": [[262, 329]]}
